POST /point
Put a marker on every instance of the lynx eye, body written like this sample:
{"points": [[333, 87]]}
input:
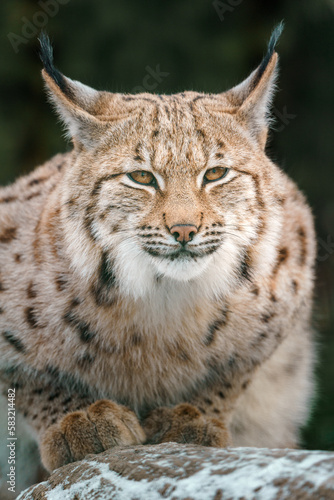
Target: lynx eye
{"points": [[143, 177], [215, 173]]}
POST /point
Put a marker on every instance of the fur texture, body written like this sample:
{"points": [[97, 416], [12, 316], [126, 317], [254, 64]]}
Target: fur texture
{"points": [[205, 341]]}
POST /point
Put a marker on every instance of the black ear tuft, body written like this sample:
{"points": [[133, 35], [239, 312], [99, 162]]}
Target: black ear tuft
{"points": [[271, 47], [46, 56]]}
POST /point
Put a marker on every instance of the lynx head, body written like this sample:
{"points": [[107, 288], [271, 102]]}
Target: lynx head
{"points": [[167, 187]]}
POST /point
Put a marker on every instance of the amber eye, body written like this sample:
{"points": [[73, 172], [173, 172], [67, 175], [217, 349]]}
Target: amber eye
{"points": [[143, 177], [214, 174]]}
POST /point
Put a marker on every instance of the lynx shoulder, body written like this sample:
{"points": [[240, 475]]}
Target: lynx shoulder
{"points": [[156, 282]]}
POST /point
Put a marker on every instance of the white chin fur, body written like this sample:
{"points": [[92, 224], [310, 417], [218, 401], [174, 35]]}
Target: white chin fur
{"points": [[140, 274], [181, 270], [138, 271]]}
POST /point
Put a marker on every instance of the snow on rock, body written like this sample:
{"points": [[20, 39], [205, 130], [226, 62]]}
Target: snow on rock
{"points": [[173, 471]]}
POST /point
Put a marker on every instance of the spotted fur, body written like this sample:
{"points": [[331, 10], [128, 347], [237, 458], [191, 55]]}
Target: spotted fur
{"points": [[99, 301]]}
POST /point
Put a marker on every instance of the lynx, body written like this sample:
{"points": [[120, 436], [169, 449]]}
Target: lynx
{"points": [[156, 281]]}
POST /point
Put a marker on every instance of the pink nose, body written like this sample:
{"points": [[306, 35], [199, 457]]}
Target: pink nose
{"points": [[183, 232]]}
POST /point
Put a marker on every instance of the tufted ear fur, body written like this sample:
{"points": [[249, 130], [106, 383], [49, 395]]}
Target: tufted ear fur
{"points": [[251, 99], [86, 113]]}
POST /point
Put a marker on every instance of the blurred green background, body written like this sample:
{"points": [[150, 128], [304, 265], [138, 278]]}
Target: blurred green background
{"points": [[194, 44]]}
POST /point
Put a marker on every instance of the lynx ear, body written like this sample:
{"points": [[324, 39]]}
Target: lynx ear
{"points": [[253, 96], [78, 105]]}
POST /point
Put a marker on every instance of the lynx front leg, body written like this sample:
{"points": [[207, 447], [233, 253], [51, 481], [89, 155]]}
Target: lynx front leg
{"points": [[68, 420], [102, 425], [185, 424]]}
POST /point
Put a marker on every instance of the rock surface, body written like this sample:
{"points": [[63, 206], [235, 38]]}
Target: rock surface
{"points": [[188, 472]]}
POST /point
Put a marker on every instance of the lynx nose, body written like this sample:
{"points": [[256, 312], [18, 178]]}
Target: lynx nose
{"points": [[183, 232]]}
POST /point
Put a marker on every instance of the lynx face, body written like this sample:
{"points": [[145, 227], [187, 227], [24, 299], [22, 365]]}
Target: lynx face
{"points": [[167, 187], [175, 206]]}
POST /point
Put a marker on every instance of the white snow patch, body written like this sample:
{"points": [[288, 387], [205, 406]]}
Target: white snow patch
{"points": [[238, 474]]}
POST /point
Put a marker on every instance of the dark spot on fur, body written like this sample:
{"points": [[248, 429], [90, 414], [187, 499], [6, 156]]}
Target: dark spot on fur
{"points": [[294, 285], [86, 360], [2, 287], [8, 199], [259, 198], [280, 200], [34, 182], [217, 373], [245, 267], [31, 317], [98, 184], [207, 401], [1, 310], [302, 242], [267, 316], [8, 235], [232, 362], [213, 328], [202, 410], [67, 400], [221, 394], [245, 384], [18, 257], [31, 292], [291, 368], [278, 335], [183, 355], [83, 328], [54, 395], [38, 391], [75, 302], [53, 371], [199, 97], [32, 195], [201, 134], [282, 257], [210, 336], [138, 158], [14, 341], [215, 410], [255, 291], [273, 297], [61, 282], [136, 339], [138, 149], [103, 292]]}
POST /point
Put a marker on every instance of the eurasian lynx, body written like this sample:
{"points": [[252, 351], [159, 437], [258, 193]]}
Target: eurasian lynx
{"points": [[156, 282]]}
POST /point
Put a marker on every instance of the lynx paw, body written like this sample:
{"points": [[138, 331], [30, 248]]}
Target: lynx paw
{"points": [[185, 424], [103, 425]]}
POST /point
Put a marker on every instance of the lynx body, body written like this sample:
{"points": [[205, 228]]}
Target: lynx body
{"points": [[156, 282]]}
